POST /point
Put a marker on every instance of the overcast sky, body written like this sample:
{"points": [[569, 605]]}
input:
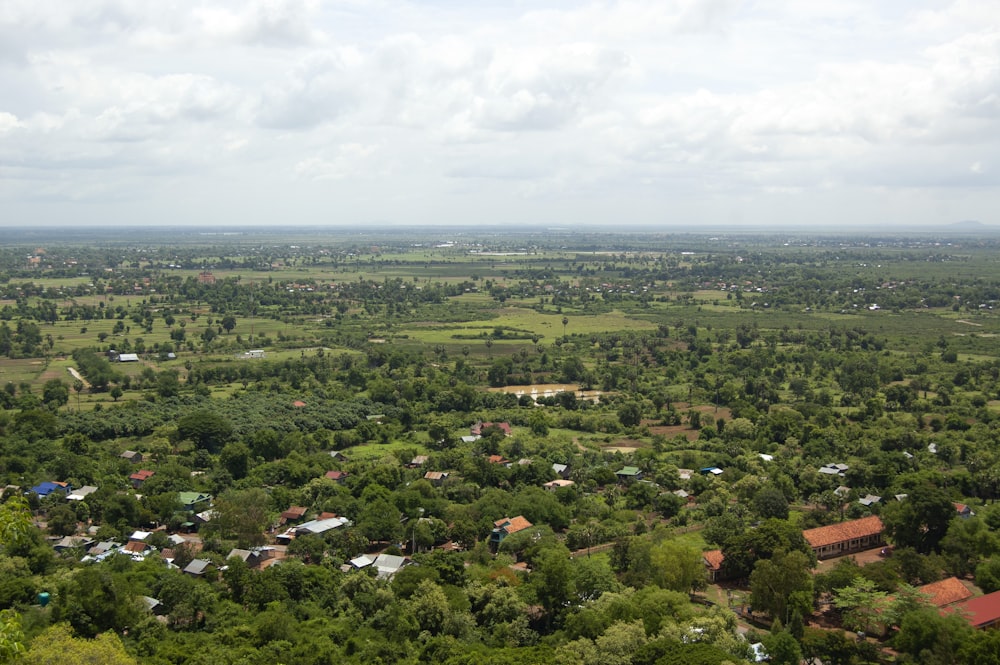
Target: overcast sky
{"points": [[854, 113]]}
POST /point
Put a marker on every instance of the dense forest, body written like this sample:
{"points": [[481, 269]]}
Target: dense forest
{"points": [[499, 448]]}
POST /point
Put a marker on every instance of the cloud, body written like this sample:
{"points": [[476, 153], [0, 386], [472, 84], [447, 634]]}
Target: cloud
{"points": [[527, 108]]}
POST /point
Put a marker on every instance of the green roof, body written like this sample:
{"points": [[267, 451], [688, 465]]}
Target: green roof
{"points": [[628, 471], [188, 498]]}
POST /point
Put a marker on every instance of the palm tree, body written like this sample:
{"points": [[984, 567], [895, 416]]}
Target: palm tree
{"points": [[565, 322]]}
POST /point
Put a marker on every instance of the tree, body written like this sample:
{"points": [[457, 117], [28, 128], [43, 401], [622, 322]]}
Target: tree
{"points": [[379, 520], [243, 515], [167, 383], [782, 584], [116, 392], [56, 644], [78, 388], [55, 393], [15, 521], [770, 502], [678, 567], [630, 414], [11, 636], [228, 323], [933, 638], [921, 521], [206, 429], [862, 606]]}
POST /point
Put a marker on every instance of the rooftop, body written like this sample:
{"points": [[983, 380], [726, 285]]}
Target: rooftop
{"points": [[837, 533], [945, 592]]}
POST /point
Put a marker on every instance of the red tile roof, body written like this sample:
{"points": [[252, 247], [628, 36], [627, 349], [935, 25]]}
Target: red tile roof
{"points": [[135, 546], [945, 592], [981, 611], [838, 533], [336, 475], [142, 474], [713, 558]]}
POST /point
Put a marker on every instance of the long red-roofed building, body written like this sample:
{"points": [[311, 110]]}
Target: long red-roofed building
{"points": [[846, 537], [982, 611]]}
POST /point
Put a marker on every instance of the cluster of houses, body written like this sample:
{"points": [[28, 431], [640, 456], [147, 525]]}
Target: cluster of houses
{"points": [[948, 595]]}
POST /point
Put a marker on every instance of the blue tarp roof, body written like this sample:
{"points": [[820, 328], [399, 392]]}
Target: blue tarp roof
{"points": [[48, 487]]}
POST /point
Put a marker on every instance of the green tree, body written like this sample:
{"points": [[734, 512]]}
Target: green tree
{"points": [[241, 514], [56, 644], [11, 637], [921, 521], [228, 323], [678, 567], [630, 414], [206, 429], [782, 584], [862, 606], [55, 393]]}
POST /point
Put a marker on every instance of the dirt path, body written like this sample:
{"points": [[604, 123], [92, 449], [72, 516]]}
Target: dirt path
{"points": [[78, 377]]}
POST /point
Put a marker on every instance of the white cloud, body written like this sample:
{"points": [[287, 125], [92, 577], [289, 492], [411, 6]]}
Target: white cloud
{"points": [[594, 110]]}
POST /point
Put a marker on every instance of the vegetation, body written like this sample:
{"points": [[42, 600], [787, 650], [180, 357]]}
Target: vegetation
{"points": [[344, 378]]}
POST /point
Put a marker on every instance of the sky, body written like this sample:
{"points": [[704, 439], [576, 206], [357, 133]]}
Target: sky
{"points": [[548, 113]]}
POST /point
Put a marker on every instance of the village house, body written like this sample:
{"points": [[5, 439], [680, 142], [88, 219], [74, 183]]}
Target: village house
{"points": [[436, 477], [507, 526], [846, 537], [713, 564]]}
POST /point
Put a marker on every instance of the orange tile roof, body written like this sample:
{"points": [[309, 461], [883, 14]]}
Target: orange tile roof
{"points": [[513, 524], [837, 533], [945, 592], [713, 558]]}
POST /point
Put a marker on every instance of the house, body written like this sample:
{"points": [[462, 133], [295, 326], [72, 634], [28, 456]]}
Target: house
{"points": [[71, 542], [478, 428], [337, 476], [869, 500], [136, 547], [139, 536], [507, 526], [418, 461], [436, 477], [388, 565], [562, 470], [945, 592], [293, 514], [312, 527], [299, 404], [851, 536], [558, 483], [198, 567], [766, 457], [470, 438], [843, 491], [81, 494], [193, 500], [685, 474], [132, 456], [254, 557], [627, 474], [963, 510], [140, 476], [360, 562], [834, 469], [339, 456], [981, 612], [499, 459], [50, 486], [713, 564], [710, 471]]}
